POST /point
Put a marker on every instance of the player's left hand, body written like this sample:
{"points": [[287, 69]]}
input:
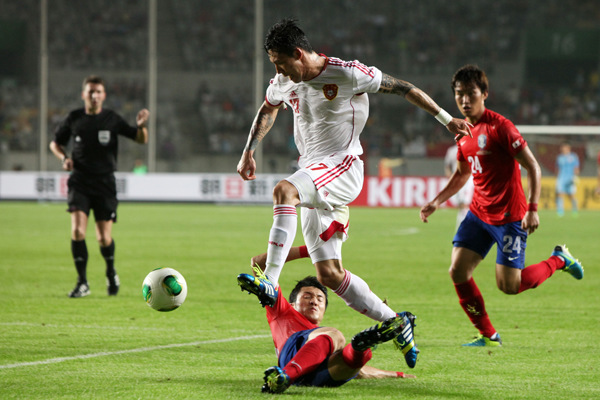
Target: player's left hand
{"points": [[142, 117], [247, 166], [460, 128], [530, 222]]}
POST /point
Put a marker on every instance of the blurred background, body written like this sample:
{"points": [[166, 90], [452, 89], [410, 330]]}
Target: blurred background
{"points": [[200, 68]]}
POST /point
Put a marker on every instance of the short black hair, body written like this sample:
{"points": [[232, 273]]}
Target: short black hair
{"points": [[285, 36], [471, 73], [94, 79], [309, 281]]}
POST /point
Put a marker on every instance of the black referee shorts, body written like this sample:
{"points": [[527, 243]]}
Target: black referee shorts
{"points": [[97, 194]]}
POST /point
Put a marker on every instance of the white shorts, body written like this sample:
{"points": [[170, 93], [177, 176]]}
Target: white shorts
{"points": [[325, 189]]}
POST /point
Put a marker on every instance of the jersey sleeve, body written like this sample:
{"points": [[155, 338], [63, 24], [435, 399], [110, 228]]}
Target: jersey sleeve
{"points": [[124, 129], [365, 79], [273, 97], [513, 140], [62, 134]]}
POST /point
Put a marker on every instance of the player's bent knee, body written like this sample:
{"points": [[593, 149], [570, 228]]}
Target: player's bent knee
{"points": [[330, 277], [339, 341], [509, 288], [285, 193], [78, 234]]}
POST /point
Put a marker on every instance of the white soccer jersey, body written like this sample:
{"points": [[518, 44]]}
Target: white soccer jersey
{"points": [[330, 110]]}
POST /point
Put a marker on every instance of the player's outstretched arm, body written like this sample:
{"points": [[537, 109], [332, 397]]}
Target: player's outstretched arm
{"points": [[416, 96], [456, 181], [368, 372], [265, 117]]}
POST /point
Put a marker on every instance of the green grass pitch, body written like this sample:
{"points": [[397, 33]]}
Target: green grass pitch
{"points": [[217, 345]]}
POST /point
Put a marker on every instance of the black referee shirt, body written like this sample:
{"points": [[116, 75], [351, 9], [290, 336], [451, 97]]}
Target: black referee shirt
{"points": [[95, 140]]}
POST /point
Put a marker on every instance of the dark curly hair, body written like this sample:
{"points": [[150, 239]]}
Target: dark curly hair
{"points": [[285, 36]]}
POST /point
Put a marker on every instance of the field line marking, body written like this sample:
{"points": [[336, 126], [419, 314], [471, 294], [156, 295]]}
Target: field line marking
{"points": [[138, 350], [44, 325]]}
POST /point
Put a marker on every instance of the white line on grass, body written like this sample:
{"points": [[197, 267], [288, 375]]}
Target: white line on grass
{"points": [[139, 350], [45, 325], [404, 231]]}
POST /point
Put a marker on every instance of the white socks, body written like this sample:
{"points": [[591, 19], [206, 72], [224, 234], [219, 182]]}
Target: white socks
{"points": [[356, 293], [281, 238]]}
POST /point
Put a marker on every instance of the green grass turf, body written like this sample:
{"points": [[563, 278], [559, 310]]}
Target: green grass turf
{"points": [[54, 347]]}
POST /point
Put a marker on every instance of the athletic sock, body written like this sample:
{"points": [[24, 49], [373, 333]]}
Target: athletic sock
{"points": [[80, 257], [471, 301], [356, 359], [281, 238], [108, 253], [309, 357], [533, 275], [560, 205], [303, 251], [357, 295]]}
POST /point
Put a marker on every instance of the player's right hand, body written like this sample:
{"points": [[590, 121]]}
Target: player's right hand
{"points": [[68, 164], [427, 210]]}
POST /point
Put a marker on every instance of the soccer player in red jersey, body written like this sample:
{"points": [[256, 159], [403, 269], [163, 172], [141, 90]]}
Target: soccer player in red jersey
{"points": [[499, 212], [311, 355]]}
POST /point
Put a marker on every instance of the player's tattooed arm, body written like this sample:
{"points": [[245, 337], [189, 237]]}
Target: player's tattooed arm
{"points": [[260, 127], [410, 92], [392, 85]]}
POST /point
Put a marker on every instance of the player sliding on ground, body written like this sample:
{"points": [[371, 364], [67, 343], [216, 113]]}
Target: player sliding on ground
{"points": [[499, 212], [310, 355]]}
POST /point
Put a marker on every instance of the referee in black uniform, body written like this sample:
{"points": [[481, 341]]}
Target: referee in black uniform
{"points": [[92, 185]]}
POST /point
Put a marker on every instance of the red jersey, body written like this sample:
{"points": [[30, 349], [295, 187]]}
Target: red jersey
{"points": [[498, 197], [284, 321]]}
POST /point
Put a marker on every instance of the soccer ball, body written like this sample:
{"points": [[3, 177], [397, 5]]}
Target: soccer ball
{"points": [[164, 289]]}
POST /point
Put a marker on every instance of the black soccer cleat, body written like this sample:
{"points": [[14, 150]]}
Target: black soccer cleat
{"points": [[112, 284], [82, 289]]}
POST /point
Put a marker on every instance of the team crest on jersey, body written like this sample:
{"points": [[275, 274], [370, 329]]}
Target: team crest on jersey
{"points": [[330, 91], [482, 141], [104, 137]]}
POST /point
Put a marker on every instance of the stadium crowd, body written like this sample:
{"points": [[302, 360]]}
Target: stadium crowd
{"points": [[216, 36]]}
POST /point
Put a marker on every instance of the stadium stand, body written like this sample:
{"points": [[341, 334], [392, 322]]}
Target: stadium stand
{"points": [[214, 38]]}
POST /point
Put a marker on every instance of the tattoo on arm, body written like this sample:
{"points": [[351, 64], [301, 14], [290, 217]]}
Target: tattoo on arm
{"points": [[392, 85], [262, 124]]}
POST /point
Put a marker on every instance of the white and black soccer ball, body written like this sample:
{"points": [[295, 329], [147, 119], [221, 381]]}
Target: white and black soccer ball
{"points": [[164, 289]]}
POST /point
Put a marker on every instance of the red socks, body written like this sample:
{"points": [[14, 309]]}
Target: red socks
{"points": [[309, 357], [354, 358], [534, 275], [303, 251], [471, 301]]}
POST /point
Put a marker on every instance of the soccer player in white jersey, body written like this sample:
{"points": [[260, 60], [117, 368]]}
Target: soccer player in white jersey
{"points": [[329, 101]]}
